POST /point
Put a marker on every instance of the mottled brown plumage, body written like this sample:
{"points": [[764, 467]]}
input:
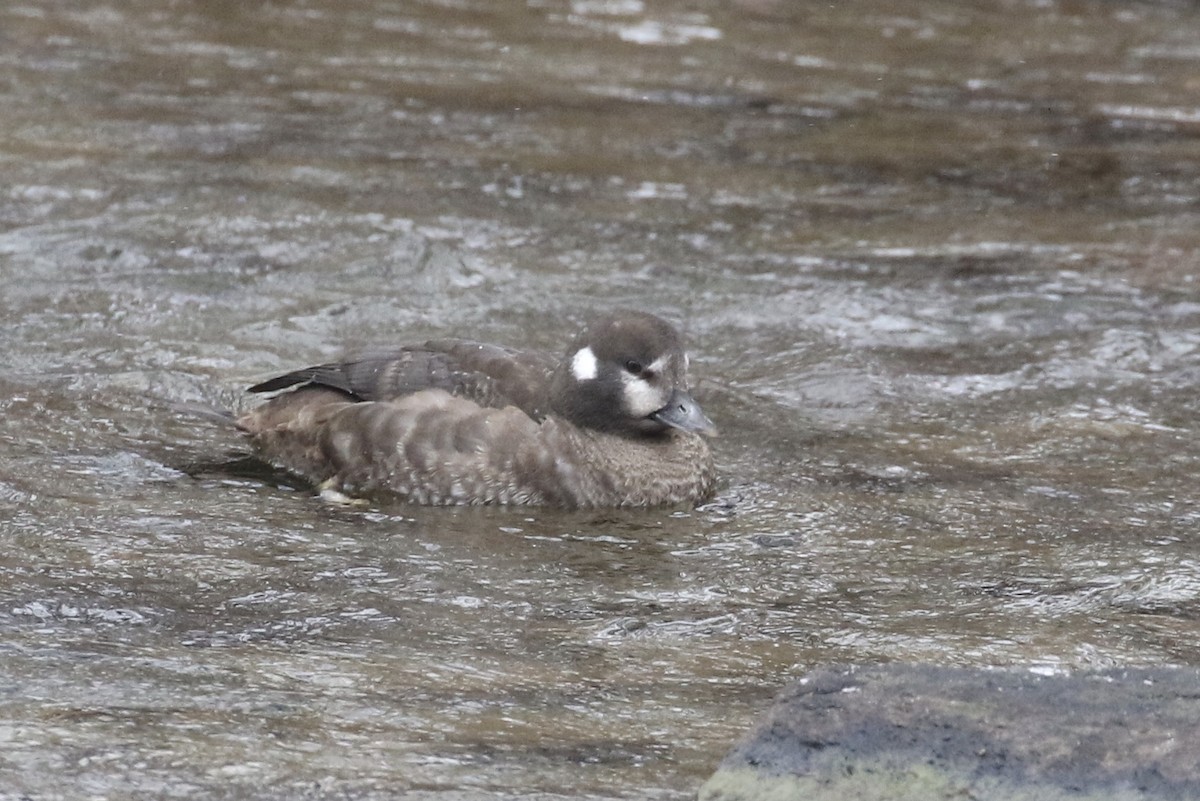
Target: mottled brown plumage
{"points": [[459, 422]]}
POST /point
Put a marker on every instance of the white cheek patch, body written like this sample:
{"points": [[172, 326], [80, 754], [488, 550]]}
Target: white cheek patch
{"points": [[583, 365], [641, 399]]}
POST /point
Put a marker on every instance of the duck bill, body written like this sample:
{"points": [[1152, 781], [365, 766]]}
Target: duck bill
{"points": [[684, 413]]}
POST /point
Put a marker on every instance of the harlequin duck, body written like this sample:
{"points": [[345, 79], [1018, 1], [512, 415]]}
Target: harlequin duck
{"points": [[459, 422]]}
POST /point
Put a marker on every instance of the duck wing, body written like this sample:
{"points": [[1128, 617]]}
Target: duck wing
{"points": [[489, 375]]}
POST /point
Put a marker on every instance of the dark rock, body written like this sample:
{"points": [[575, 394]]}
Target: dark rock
{"points": [[917, 732]]}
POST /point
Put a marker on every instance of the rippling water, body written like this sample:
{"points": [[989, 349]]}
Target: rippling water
{"points": [[937, 262]]}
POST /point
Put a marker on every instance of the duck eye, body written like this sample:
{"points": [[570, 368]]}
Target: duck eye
{"points": [[634, 367]]}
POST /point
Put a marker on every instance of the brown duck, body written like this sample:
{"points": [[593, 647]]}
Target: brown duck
{"points": [[611, 423]]}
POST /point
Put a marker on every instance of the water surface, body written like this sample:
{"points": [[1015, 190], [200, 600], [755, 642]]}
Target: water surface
{"points": [[937, 263]]}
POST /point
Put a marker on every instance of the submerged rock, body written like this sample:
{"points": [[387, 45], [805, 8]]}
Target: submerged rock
{"points": [[916, 732]]}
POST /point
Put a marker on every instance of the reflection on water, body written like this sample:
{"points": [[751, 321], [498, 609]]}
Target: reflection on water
{"points": [[937, 262]]}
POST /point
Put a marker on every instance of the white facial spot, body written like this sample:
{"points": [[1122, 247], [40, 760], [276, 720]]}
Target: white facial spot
{"points": [[641, 398], [583, 365], [656, 367]]}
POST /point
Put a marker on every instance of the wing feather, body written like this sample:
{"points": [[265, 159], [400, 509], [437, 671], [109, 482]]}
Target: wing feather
{"points": [[488, 375]]}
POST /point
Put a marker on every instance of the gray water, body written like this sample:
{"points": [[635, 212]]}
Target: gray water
{"points": [[936, 262]]}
